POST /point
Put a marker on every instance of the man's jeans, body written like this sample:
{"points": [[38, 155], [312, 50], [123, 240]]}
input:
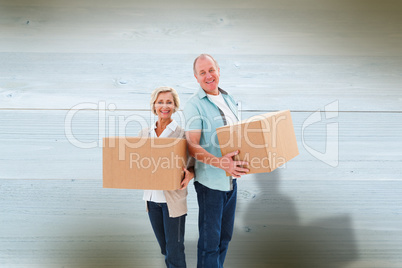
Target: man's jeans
{"points": [[170, 234], [215, 224]]}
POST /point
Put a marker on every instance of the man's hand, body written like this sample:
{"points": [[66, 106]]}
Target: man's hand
{"points": [[232, 167], [188, 176], [225, 162]]}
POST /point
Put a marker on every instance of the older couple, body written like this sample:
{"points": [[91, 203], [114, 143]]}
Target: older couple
{"points": [[216, 192]]}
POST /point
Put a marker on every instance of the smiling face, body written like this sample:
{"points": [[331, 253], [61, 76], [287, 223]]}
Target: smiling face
{"points": [[207, 75], [164, 105]]}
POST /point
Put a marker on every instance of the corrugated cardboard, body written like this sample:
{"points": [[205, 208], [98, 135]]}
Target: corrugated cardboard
{"points": [[266, 141], [143, 163]]}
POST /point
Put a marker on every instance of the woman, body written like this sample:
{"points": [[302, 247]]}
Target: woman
{"points": [[167, 210]]}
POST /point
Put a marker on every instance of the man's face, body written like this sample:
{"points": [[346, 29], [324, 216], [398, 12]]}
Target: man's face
{"points": [[207, 75]]}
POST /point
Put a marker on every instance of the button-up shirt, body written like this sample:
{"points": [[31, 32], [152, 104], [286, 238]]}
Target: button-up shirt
{"points": [[202, 114], [157, 195]]}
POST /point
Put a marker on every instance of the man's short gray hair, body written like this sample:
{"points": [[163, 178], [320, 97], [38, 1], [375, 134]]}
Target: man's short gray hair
{"points": [[201, 56]]}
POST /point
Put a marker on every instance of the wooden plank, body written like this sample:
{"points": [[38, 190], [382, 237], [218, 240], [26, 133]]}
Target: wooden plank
{"points": [[258, 30], [177, 4], [34, 144], [77, 223], [58, 57], [303, 83], [309, 224]]}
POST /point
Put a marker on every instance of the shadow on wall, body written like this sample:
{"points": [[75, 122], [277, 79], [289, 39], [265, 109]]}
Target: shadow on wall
{"points": [[271, 234]]}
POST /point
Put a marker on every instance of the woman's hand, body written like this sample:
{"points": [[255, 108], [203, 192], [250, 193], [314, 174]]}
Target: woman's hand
{"points": [[188, 176]]}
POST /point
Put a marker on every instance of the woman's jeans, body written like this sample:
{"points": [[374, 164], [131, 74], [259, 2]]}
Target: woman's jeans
{"points": [[215, 223], [170, 234]]}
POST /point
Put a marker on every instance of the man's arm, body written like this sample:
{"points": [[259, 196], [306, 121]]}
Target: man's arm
{"points": [[225, 162]]}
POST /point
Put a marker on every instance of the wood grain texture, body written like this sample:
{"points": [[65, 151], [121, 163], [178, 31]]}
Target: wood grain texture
{"points": [[72, 72], [279, 223], [38, 145], [63, 81], [358, 28], [74, 223]]}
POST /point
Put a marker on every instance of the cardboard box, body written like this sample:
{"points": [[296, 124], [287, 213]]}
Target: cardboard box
{"points": [[266, 141], [143, 163]]}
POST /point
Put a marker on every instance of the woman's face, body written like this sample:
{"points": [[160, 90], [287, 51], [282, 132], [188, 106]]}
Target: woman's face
{"points": [[164, 105]]}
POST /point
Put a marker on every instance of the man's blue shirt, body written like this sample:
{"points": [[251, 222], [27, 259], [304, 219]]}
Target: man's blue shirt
{"points": [[202, 114]]}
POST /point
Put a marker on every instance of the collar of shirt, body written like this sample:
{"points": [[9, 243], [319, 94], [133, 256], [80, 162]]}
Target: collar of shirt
{"points": [[171, 128], [202, 94], [232, 106]]}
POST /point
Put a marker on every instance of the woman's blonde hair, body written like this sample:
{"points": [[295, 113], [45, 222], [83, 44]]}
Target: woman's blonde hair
{"points": [[155, 94]]}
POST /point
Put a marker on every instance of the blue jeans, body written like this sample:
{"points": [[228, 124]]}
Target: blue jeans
{"points": [[215, 224], [170, 234]]}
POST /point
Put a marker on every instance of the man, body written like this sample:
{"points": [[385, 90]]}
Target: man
{"points": [[210, 108]]}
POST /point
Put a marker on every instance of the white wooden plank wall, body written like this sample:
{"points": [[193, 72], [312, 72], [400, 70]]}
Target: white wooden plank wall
{"points": [[72, 72]]}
